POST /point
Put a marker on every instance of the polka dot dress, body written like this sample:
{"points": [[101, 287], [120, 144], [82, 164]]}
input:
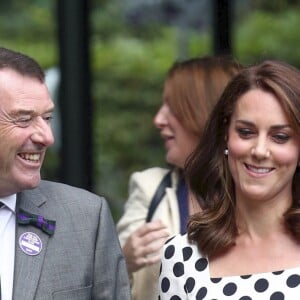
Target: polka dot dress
{"points": [[185, 273]]}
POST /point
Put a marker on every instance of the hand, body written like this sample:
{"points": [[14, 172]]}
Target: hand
{"points": [[142, 247]]}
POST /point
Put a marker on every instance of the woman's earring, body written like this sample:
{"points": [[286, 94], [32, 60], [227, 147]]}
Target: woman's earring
{"points": [[226, 151]]}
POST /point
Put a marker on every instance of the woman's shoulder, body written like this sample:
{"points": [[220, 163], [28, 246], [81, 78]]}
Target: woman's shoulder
{"points": [[154, 172], [182, 259], [181, 244], [148, 179]]}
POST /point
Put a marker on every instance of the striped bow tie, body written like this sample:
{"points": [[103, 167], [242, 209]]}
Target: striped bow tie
{"points": [[25, 218]]}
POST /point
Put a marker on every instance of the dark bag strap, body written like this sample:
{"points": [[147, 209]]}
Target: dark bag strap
{"points": [[161, 190]]}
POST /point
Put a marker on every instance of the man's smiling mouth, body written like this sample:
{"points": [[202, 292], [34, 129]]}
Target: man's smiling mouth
{"points": [[33, 157]]}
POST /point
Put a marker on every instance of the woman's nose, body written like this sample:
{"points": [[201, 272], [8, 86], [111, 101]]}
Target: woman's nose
{"points": [[159, 119], [261, 150]]}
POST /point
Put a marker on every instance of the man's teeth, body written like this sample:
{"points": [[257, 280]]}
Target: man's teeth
{"points": [[31, 156]]}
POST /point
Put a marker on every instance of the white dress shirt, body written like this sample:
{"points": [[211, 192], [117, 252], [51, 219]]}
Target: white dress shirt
{"points": [[7, 245]]}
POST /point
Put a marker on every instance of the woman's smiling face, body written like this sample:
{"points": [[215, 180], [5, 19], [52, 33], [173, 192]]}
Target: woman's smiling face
{"points": [[263, 148]]}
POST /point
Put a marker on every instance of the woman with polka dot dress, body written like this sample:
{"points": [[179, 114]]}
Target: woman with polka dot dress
{"points": [[245, 243]]}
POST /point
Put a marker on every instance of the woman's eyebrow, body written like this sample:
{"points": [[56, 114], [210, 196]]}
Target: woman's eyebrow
{"points": [[277, 126]]}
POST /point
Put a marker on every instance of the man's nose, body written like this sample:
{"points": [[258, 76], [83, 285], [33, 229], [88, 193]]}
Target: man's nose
{"points": [[43, 133]]}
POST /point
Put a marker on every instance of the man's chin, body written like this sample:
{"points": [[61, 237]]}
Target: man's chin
{"points": [[31, 184]]}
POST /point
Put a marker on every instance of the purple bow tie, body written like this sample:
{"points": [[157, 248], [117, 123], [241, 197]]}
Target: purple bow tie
{"points": [[25, 218]]}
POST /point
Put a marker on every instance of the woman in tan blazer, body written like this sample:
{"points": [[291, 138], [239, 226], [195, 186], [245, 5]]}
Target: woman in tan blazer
{"points": [[191, 89]]}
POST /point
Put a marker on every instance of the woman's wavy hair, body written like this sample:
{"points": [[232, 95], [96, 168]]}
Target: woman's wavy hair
{"points": [[193, 87], [215, 229]]}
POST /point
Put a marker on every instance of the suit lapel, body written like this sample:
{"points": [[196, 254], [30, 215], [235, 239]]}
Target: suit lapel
{"points": [[28, 268]]}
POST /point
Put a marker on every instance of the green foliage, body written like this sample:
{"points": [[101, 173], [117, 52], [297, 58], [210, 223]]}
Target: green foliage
{"points": [[127, 85], [28, 22], [30, 27], [128, 76], [106, 19], [267, 35]]}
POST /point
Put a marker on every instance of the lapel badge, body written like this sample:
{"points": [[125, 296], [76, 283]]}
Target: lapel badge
{"points": [[30, 243]]}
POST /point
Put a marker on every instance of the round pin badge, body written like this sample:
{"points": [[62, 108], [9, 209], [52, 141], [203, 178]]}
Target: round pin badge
{"points": [[30, 243]]}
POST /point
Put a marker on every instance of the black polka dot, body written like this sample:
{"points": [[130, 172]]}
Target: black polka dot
{"points": [[261, 285], [175, 298], [169, 252], [277, 296], [215, 280], [201, 293], [229, 289], [189, 284], [201, 264], [245, 276], [165, 284], [178, 269], [278, 272], [293, 281], [245, 298], [187, 253]]}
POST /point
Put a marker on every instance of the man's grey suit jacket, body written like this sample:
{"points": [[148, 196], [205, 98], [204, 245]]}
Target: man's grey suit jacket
{"points": [[82, 260]]}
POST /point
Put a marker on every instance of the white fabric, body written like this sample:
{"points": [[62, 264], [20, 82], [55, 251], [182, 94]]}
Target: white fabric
{"points": [[185, 275], [7, 245]]}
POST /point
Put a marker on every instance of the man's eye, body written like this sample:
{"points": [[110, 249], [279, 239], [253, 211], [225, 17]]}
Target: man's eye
{"points": [[23, 122], [48, 119]]}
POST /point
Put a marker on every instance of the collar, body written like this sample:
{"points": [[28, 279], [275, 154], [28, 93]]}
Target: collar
{"points": [[10, 202]]}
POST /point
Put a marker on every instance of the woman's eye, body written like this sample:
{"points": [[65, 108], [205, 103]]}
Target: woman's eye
{"points": [[281, 138], [245, 132]]}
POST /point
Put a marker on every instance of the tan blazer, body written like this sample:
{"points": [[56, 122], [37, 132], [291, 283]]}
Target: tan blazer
{"points": [[142, 186]]}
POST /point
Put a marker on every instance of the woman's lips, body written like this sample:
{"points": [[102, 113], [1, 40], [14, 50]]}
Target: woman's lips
{"points": [[259, 170]]}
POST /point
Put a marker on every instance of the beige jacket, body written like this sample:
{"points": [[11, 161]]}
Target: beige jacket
{"points": [[142, 186]]}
